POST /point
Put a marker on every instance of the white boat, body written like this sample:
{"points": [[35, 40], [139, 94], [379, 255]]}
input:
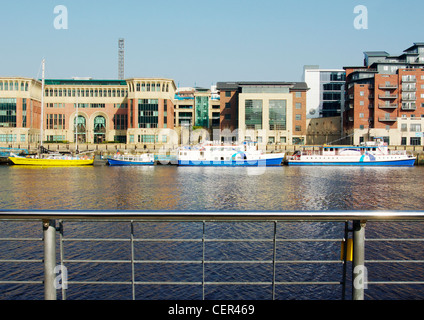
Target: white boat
{"points": [[372, 153], [216, 154], [132, 160]]}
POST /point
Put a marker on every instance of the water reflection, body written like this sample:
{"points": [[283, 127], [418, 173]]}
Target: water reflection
{"points": [[209, 188]]}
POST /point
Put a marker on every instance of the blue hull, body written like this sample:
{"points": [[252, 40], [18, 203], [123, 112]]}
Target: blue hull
{"points": [[232, 163], [113, 162], [395, 163]]}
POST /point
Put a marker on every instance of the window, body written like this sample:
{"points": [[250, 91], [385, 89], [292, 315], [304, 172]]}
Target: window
{"points": [[120, 121], [298, 94], [227, 117], [228, 93], [148, 138], [8, 112], [298, 105], [403, 127], [298, 117], [277, 114], [361, 115], [148, 113], [415, 141], [253, 114], [361, 127], [298, 128], [403, 141], [415, 127], [361, 93]]}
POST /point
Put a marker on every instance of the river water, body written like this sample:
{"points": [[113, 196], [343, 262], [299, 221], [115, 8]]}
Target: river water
{"points": [[213, 188]]}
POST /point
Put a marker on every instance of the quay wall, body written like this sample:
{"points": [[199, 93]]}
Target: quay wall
{"points": [[112, 148]]}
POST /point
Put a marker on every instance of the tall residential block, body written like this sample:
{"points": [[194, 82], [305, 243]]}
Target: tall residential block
{"points": [[385, 98]]}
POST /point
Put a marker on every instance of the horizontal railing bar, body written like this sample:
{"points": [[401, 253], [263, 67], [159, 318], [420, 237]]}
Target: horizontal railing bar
{"points": [[200, 240], [20, 282], [394, 282], [202, 261], [394, 239], [394, 261], [206, 283], [21, 239], [216, 215], [23, 260]]}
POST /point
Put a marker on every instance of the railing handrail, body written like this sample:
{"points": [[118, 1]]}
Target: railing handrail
{"points": [[338, 215]]}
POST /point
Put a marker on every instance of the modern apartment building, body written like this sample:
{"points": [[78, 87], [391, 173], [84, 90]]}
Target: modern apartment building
{"points": [[198, 107], [385, 98], [325, 97], [265, 112]]}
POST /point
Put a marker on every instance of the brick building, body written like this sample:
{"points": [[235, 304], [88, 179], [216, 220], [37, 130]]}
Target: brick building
{"points": [[385, 98]]}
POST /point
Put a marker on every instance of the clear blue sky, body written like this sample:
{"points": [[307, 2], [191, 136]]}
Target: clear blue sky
{"points": [[198, 42]]}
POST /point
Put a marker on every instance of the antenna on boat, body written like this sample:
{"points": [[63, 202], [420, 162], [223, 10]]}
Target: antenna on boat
{"points": [[76, 124]]}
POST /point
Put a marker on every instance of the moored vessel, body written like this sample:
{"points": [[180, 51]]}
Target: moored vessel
{"points": [[216, 154], [372, 153], [132, 160], [52, 160]]}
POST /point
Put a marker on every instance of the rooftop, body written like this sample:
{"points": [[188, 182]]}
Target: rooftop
{"points": [[235, 85]]}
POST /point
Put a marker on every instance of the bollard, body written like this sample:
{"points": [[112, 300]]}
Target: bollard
{"points": [[49, 233], [358, 267]]}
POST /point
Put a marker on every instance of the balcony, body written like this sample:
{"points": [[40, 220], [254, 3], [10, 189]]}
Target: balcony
{"points": [[387, 119], [409, 79], [409, 97], [388, 96], [409, 106], [388, 106], [409, 88], [387, 86]]}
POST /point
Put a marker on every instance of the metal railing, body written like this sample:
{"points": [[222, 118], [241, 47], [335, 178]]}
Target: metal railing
{"points": [[54, 222]]}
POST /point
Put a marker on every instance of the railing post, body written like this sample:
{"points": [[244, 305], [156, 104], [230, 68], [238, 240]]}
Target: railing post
{"points": [[49, 234], [358, 268]]}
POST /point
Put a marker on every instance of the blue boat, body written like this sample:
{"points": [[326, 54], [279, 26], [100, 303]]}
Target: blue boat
{"points": [[374, 153], [214, 154], [145, 159]]}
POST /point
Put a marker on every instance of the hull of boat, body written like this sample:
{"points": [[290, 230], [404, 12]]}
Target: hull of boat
{"points": [[114, 162], [51, 162], [275, 161], [394, 163]]}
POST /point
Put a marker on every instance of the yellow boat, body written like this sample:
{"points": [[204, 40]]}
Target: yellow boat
{"points": [[53, 161]]}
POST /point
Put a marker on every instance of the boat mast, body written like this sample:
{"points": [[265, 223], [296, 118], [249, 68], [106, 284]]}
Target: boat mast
{"points": [[42, 106], [76, 126]]}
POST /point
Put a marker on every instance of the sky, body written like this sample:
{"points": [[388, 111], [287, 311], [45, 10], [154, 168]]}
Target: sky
{"points": [[199, 43]]}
